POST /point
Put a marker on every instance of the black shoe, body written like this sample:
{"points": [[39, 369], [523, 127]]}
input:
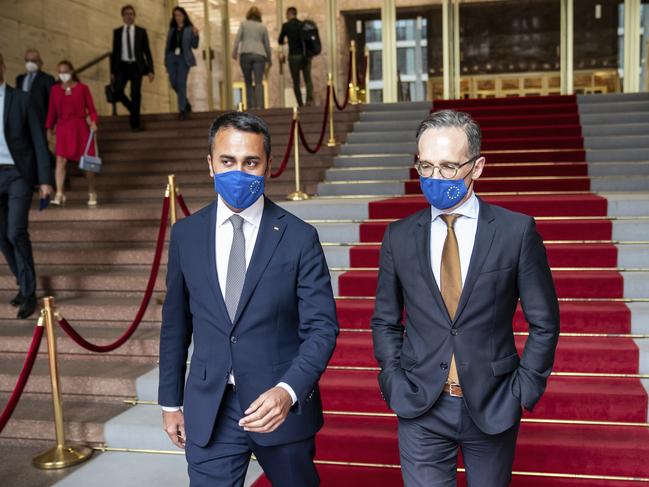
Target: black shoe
{"points": [[137, 129], [188, 109], [17, 300], [27, 308]]}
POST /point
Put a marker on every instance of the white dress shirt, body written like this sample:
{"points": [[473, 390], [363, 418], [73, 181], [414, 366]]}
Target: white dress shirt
{"points": [[465, 230], [131, 33], [5, 155], [223, 242]]}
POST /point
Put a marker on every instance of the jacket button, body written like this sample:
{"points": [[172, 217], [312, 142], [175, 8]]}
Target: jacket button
{"points": [[455, 332], [443, 366], [233, 339]]}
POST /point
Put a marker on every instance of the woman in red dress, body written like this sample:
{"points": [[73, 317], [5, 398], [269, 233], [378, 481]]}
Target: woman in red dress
{"points": [[70, 107]]}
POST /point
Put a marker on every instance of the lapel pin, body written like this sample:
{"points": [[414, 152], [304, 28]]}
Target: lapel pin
{"points": [[276, 228]]}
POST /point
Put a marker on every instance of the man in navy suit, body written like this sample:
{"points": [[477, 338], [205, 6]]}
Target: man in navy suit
{"points": [[248, 282], [449, 365]]}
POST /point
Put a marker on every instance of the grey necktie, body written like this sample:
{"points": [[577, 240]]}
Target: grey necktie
{"points": [[27, 83], [236, 267]]}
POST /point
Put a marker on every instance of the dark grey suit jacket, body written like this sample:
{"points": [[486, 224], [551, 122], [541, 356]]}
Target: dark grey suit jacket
{"points": [[39, 93], [508, 262]]}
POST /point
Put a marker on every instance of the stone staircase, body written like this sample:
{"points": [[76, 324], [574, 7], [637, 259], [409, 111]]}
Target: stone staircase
{"points": [[96, 263]]}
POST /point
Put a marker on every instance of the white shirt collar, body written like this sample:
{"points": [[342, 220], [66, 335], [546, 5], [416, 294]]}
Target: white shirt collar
{"points": [[470, 209], [252, 214]]}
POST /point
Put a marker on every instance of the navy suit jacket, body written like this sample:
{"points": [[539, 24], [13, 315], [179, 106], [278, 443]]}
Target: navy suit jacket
{"points": [[39, 92], [284, 330], [25, 138], [508, 262]]}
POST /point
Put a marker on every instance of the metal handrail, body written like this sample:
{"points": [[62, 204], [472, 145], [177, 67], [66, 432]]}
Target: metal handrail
{"points": [[95, 61]]}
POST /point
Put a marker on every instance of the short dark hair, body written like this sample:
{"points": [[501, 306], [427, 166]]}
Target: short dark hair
{"points": [[292, 11], [128, 6], [452, 118], [245, 122]]}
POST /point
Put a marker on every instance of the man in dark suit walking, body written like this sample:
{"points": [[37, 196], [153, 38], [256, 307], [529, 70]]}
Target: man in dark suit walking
{"points": [[37, 83], [451, 372], [248, 282], [24, 163], [130, 60]]}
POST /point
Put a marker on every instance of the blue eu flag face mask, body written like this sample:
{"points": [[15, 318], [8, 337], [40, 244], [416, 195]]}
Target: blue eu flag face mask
{"points": [[239, 189], [443, 193]]}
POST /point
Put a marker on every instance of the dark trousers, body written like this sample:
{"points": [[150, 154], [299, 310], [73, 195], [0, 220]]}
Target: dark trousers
{"points": [[297, 63], [15, 200], [428, 446], [224, 460], [178, 71], [253, 64], [128, 72]]}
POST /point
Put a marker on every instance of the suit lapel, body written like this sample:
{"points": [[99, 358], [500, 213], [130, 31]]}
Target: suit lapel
{"points": [[212, 274], [423, 253], [270, 233], [8, 99], [483, 239]]}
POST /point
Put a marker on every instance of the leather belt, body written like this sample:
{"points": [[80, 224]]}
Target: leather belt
{"points": [[454, 390]]}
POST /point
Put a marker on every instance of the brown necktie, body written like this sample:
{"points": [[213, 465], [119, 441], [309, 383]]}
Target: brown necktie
{"points": [[451, 280]]}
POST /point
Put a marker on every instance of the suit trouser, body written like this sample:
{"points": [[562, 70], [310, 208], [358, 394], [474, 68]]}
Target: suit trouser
{"points": [[15, 200], [224, 460], [297, 63], [252, 63], [126, 72], [178, 71], [428, 447]]}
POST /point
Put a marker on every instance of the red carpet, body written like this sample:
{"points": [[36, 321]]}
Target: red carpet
{"points": [[525, 131]]}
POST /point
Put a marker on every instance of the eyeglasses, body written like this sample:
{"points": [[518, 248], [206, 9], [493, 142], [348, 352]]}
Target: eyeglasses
{"points": [[447, 170]]}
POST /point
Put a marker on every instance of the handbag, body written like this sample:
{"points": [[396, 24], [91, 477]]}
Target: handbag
{"points": [[88, 162], [110, 93]]}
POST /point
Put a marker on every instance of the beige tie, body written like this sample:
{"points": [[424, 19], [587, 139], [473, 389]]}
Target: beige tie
{"points": [[451, 281]]}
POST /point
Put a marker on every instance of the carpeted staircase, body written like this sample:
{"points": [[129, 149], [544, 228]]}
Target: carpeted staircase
{"points": [[564, 160]]}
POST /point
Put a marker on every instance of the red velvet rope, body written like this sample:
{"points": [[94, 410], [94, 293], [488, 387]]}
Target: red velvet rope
{"points": [[74, 335], [287, 152], [32, 353], [349, 80], [183, 205], [323, 129]]}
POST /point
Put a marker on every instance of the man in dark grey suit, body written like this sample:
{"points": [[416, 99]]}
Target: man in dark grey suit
{"points": [[24, 163], [459, 267]]}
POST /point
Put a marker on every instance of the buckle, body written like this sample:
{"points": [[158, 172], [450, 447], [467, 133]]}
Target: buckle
{"points": [[455, 390]]}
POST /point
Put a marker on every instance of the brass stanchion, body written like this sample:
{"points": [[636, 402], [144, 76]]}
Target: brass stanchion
{"points": [[353, 87], [171, 192], [62, 455], [366, 89], [298, 195], [332, 137]]}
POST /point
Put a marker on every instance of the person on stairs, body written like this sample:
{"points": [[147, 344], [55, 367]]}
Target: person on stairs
{"points": [[248, 283], [252, 47], [130, 60], [179, 58], [70, 108], [24, 164], [37, 83], [298, 59], [451, 371]]}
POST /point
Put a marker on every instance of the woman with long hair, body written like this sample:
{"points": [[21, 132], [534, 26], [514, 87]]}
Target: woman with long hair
{"points": [[253, 49], [179, 58], [71, 116]]}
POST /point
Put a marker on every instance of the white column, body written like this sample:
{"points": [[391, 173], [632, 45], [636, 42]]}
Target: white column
{"points": [[631, 46], [389, 41], [279, 13], [331, 19], [567, 47], [451, 48]]}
